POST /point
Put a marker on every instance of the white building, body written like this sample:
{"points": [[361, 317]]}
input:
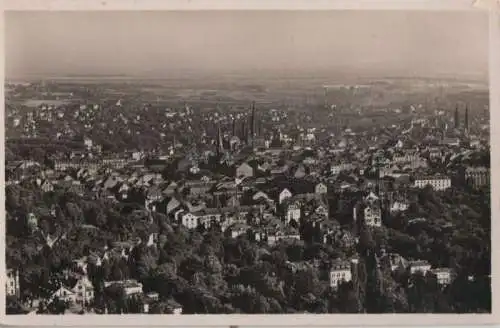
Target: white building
{"points": [[190, 221], [373, 216], [437, 183], [339, 273], [84, 291], [443, 275], [419, 266], [321, 188], [12, 283], [284, 194], [399, 207], [130, 287], [292, 213], [64, 294]]}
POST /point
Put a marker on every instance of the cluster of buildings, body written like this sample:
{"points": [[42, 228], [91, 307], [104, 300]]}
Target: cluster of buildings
{"points": [[267, 179]]}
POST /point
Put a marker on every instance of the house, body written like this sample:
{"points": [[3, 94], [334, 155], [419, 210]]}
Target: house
{"points": [[399, 207], [189, 221], [370, 210], [338, 168], [284, 194], [12, 283], [443, 275], [396, 262], [47, 186], [32, 221], [244, 171], [340, 272], [237, 229], [130, 287], [437, 183], [477, 176], [321, 188], [321, 211], [419, 266], [64, 294], [292, 213], [84, 291], [154, 194]]}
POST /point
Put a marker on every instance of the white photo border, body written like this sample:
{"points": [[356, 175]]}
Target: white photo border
{"points": [[493, 6]]}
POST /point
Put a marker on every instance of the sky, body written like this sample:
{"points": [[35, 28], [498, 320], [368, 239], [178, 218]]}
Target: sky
{"points": [[154, 43]]}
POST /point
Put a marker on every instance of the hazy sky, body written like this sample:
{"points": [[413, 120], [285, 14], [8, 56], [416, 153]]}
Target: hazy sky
{"points": [[395, 42]]}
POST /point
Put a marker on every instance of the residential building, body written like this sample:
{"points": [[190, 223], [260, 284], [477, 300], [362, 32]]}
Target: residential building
{"points": [[321, 188], [292, 213], [340, 272], [437, 183], [12, 283], [84, 291], [244, 171], [419, 266], [130, 287], [443, 275], [477, 176], [64, 294], [284, 194]]}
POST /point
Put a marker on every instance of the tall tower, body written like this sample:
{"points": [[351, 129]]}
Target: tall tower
{"points": [[457, 119], [326, 96], [243, 131], [251, 136], [466, 119], [220, 145]]}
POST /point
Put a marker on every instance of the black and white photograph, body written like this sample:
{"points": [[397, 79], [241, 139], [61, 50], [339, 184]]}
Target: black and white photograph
{"points": [[247, 162]]}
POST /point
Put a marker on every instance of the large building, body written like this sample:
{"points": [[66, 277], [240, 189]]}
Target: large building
{"points": [[12, 283], [340, 272], [437, 183], [477, 176], [370, 211]]}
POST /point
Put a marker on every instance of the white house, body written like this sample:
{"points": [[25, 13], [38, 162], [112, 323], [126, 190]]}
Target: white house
{"points": [[321, 188], [64, 294], [284, 194], [12, 282], [399, 207], [419, 266], [84, 291], [373, 216], [292, 213], [339, 273], [443, 275], [130, 287], [244, 171], [437, 183], [189, 221]]}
